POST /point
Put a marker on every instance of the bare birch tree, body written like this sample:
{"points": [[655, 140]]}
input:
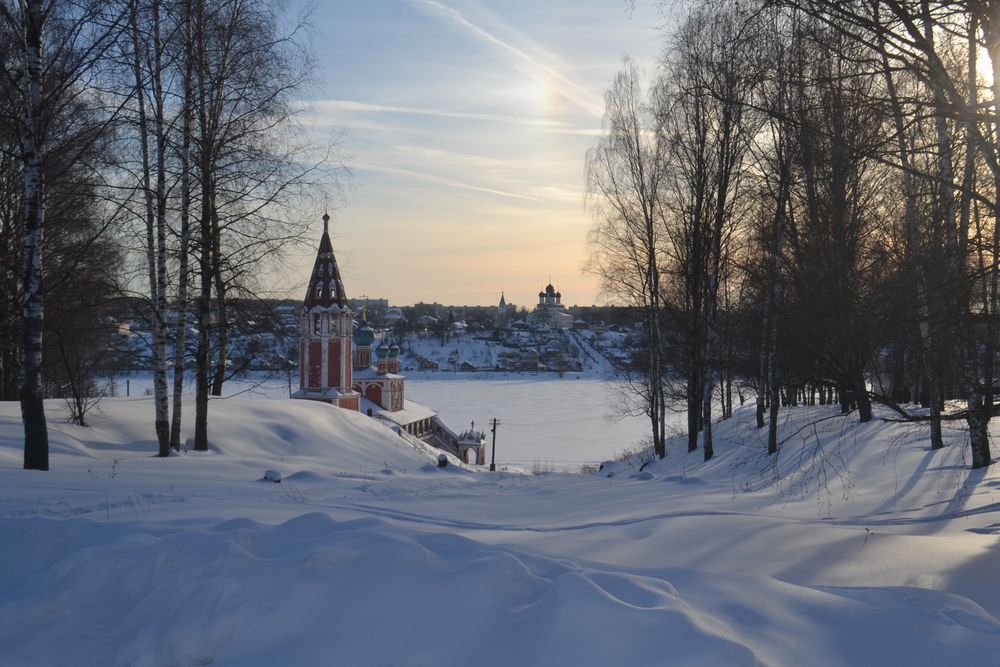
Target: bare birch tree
{"points": [[716, 72], [625, 173], [63, 44]]}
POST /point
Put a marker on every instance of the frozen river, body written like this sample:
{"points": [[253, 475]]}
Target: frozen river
{"points": [[545, 422]]}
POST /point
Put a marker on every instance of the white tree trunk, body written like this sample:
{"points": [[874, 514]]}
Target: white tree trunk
{"points": [[155, 232], [180, 336], [36, 437]]}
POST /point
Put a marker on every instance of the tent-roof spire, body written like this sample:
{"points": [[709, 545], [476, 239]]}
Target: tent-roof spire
{"points": [[325, 286]]}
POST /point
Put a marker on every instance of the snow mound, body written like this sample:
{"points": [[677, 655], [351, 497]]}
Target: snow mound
{"points": [[301, 433]]}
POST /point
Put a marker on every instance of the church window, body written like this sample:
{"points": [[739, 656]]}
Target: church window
{"points": [[319, 290], [317, 324]]}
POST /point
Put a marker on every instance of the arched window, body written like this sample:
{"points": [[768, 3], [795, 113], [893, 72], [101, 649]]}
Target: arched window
{"points": [[317, 324], [319, 290]]}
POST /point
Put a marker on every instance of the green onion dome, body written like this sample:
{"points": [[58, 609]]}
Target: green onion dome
{"points": [[365, 335]]}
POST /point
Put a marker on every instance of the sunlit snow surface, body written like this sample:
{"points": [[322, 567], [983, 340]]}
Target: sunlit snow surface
{"points": [[858, 545]]}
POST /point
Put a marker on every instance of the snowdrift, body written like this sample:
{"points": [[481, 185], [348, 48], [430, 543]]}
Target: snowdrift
{"points": [[292, 433]]}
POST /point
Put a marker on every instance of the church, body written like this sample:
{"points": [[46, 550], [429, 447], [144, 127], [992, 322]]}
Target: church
{"points": [[360, 370], [550, 310]]}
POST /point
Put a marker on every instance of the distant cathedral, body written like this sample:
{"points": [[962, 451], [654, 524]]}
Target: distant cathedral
{"points": [[550, 309]]}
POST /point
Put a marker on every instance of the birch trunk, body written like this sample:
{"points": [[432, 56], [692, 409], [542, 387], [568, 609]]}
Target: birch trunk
{"points": [[206, 147], [711, 335], [153, 259], [916, 272], [180, 336], [769, 354], [977, 408], [161, 396], [221, 326], [36, 436]]}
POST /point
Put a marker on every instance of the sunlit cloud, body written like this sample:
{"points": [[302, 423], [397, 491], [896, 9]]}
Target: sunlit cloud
{"points": [[547, 74]]}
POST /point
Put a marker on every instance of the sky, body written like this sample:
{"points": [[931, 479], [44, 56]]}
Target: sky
{"points": [[465, 124]]}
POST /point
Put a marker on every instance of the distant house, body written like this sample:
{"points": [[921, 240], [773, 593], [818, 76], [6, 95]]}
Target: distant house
{"points": [[529, 360], [427, 320], [467, 366], [393, 315], [426, 364]]}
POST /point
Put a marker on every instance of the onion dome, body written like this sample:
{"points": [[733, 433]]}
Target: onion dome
{"points": [[365, 335], [558, 295], [541, 295], [393, 351], [382, 351]]}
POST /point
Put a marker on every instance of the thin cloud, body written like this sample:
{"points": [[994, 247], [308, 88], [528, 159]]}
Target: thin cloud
{"points": [[566, 87], [442, 180], [366, 107]]}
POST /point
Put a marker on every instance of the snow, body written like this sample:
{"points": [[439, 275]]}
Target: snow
{"points": [[411, 411], [856, 545]]}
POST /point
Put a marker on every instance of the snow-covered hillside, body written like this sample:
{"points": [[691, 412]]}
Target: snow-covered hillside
{"points": [[858, 545]]}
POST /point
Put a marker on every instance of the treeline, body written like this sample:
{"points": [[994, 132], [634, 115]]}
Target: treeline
{"points": [[148, 155], [805, 201]]}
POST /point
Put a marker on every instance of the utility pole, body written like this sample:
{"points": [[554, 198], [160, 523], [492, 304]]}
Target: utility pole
{"points": [[493, 458]]}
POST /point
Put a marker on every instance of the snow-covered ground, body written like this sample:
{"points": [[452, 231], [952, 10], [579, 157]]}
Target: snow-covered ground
{"points": [[858, 545]]}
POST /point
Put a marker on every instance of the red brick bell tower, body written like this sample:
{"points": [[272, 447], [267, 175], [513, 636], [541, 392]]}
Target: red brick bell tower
{"points": [[325, 331]]}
